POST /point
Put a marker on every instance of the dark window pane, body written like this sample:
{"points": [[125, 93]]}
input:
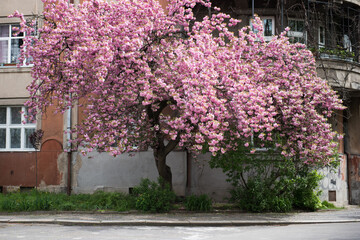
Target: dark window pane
{"points": [[15, 138], [16, 115], [300, 26], [292, 25], [4, 30], [2, 138], [28, 132], [2, 115], [322, 35], [14, 30], [267, 27]]}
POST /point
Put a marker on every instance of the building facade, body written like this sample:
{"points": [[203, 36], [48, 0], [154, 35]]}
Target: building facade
{"points": [[329, 28]]}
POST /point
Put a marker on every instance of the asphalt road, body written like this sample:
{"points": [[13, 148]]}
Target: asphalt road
{"points": [[333, 231]]}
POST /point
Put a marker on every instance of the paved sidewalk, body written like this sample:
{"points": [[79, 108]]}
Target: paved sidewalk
{"points": [[217, 218]]}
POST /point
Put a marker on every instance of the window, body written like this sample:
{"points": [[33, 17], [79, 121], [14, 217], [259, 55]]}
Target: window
{"points": [[297, 31], [269, 27], [321, 36], [9, 44], [15, 129]]}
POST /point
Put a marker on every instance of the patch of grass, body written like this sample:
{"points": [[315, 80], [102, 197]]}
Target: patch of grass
{"points": [[327, 205], [43, 201]]}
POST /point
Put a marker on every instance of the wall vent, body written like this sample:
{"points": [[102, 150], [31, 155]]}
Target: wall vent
{"points": [[332, 196]]}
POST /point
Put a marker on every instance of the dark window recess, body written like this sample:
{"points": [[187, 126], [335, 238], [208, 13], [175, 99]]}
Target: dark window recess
{"points": [[1, 189], [131, 190], [332, 196]]}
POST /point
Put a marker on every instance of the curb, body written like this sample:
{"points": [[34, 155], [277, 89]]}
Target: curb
{"points": [[175, 223]]}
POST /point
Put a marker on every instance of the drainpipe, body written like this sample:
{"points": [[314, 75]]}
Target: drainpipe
{"points": [[348, 176], [69, 153]]}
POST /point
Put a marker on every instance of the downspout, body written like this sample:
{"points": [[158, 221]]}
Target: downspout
{"points": [[69, 153], [348, 176]]}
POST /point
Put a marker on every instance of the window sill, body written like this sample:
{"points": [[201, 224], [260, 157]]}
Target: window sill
{"points": [[18, 151], [14, 68]]}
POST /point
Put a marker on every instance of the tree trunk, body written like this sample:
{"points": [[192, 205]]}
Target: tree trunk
{"points": [[163, 169]]}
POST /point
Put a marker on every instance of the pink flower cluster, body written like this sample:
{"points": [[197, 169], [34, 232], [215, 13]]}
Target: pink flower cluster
{"points": [[149, 74]]}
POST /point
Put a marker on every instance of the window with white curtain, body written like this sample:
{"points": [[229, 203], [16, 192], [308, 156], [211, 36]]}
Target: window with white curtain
{"points": [[15, 129]]}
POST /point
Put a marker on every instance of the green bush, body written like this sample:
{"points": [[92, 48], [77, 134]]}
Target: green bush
{"points": [[266, 181], [201, 203], [257, 197], [152, 197], [304, 195]]}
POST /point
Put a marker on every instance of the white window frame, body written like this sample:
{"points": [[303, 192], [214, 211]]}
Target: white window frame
{"points": [[8, 39], [22, 126], [321, 28], [297, 34], [267, 38], [257, 148]]}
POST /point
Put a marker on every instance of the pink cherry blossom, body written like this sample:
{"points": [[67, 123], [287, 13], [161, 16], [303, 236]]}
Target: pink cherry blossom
{"points": [[146, 75]]}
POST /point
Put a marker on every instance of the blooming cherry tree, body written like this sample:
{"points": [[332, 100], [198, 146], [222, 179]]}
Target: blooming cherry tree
{"points": [[158, 78]]}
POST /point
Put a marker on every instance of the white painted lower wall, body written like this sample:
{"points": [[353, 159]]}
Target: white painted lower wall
{"points": [[101, 171]]}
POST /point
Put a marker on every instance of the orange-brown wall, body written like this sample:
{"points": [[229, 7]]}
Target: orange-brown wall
{"points": [[21, 168], [52, 124], [17, 168], [29, 169]]}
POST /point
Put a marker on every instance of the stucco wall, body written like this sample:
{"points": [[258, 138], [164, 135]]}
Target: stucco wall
{"points": [[101, 171], [212, 182], [45, 169], [205, 180], [335, 180], [13, 82], [339, 73], [26, 7]]}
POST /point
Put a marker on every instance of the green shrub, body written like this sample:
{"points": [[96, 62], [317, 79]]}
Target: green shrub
{"points": [[150, 196], [257, 197], [266, 181], [201, 203], [304, 194]]}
